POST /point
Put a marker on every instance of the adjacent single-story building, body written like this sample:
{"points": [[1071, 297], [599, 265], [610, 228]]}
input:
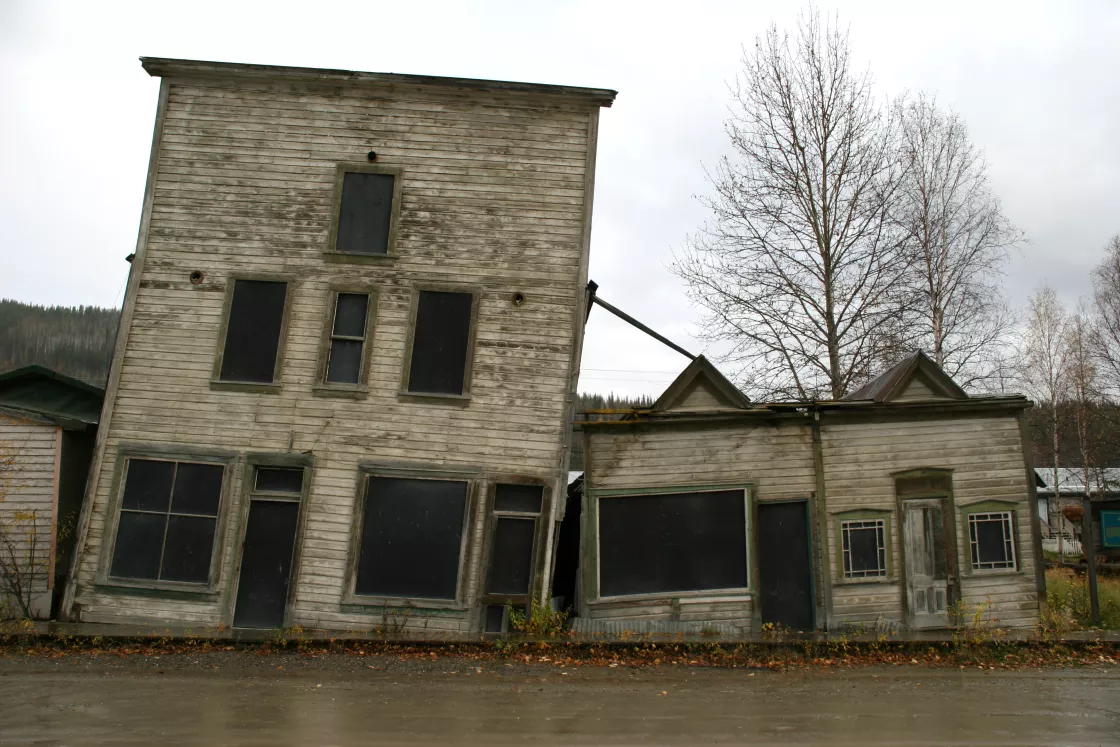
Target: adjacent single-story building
{"points": [[47, 426], [907, 504]]}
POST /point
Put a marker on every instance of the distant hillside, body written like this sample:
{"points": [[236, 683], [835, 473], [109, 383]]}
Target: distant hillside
{"points": [[76, 341]]}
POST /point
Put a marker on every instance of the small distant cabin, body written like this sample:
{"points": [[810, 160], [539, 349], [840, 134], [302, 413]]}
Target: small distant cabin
{"points": [[903, 505], [1104, 503], [48, 423]]}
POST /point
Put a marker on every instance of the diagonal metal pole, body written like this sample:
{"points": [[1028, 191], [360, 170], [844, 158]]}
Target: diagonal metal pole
{"points": [[627, 318]]}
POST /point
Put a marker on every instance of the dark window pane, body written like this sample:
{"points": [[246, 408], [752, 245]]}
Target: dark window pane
{"points": [[675, 542], [266, 564], [495, 614], [350, 315], [148, 485], [279, 479], [139, 540], [411, 537], [345, 364], [518, 498], [253, 331], [439, 345], [363, 216], [863, 547], [186, 554], [198, 489], [512, 557], [990, 543]]}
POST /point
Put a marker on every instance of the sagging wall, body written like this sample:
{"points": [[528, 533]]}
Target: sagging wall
{"points": [[986, 459], [29, 454], [861, 458], [494, 198]]}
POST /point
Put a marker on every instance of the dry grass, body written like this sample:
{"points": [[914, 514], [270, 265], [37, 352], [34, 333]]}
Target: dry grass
{"points": [[1067, 594]]}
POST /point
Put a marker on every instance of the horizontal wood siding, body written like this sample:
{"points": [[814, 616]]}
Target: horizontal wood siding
{"points": [[493, 200], [28, 462], [986, 459]]}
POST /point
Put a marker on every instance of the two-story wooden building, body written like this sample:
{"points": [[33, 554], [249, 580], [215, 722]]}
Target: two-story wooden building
{"points": [[348, 351]]}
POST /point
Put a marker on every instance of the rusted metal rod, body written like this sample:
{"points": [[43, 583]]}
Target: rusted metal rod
{"points": [[627, 318]]}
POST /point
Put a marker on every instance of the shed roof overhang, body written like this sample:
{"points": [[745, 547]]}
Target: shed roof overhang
{"points": [[163, 67]]}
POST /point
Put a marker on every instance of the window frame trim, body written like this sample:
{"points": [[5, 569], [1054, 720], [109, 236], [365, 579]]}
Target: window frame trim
{"points": [[749, 499], [219, 384], [249, 464], [330, 251], [475, 291], [321, 386], [465, 580], [865, 514], [492, 515], [989, 506], [104, 580]]}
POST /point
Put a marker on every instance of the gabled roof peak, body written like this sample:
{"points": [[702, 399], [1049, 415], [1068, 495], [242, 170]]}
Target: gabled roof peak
{"points": [[894, 382], [701, 387]]}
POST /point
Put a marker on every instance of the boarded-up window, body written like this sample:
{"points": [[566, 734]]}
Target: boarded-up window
{"points": [[365, 213], [167, 521], [440, 342], [864, 548], [992, 540], [347, 338], [412, 537], [256, 318], [512, 556], [674, 542]]}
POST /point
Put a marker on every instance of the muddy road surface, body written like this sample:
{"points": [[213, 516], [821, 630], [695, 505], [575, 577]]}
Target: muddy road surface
{"points": [[287, 699]]}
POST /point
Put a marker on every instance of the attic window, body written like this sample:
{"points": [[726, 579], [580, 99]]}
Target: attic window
{"points": [[366, 210], [439, 360]]}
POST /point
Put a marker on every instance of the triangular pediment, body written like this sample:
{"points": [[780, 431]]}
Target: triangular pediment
{"points": [[913, 379], [701, 388]]}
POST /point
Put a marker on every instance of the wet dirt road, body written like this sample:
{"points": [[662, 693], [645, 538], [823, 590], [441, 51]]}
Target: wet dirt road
{"points": [[278, 701]]}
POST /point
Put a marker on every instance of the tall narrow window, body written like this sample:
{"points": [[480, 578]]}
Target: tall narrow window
{"points": [[253, 329], [347, 338], [441, 343], [168, 520], [367, 205], [992, 540]]}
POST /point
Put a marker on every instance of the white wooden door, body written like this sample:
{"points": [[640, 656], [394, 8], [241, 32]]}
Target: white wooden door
{"points": [[927, 577]]}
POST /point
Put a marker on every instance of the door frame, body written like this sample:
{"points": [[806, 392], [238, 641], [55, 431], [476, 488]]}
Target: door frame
{"points": [[252, 461], [928, 483], [816, 610]]}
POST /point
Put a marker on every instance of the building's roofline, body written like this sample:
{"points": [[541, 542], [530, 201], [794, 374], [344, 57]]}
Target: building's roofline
{"points": [[161, 67], [43, 371]]}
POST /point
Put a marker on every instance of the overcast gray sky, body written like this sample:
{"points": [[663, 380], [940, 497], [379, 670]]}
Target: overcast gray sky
{"points": [[1035, 81]]}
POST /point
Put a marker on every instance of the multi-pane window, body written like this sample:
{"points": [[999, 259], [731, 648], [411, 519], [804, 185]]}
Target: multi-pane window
{"points": [[513, 532], [168, 520], [411, 538], [253, 329], [991, 538], [345, 354], [368, 202], [441, 343], [864, 544]]}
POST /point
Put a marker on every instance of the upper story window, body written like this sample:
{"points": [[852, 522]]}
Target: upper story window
{"points": [[366, 207], [256, 312], [440, 356], [344, 358]]}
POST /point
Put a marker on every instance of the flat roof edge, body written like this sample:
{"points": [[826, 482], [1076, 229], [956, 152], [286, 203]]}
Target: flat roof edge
{"points": [[161, 67]]}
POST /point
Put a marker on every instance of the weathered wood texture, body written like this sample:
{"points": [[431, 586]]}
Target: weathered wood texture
{"points": [[984, 453], [494, 189], [28, 484]]}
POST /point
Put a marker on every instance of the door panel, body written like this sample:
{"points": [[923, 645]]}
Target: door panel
{"points": [[266, 564], [927, 574], [786, 578]]}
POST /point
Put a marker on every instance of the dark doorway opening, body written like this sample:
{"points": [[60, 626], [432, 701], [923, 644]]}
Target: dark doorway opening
{"points": [[266, 564], [784, 564]]}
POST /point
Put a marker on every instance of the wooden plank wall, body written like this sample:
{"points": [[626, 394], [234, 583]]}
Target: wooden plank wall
{"points": [[28, 470], [493, 197], [777, 459]]}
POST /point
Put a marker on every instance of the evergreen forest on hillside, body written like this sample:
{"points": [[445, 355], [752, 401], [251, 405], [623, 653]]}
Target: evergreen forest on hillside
{"points": [[76, 341]]}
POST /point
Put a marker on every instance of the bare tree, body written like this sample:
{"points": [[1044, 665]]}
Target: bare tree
{"points": [[1084, 393], [1046, 371], [797, 272], [960, 241], [1106, 312]]}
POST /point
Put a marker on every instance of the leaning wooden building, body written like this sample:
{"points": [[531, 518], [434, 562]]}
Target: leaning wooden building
{"points": [[908, 504], [349, 345]]}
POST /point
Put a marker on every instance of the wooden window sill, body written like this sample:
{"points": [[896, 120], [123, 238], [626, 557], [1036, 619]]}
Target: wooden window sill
{"points": [[341, 391], [447, 399], [360, 259], [244, 386], [400, 607], [163, 590], [866, 581]]}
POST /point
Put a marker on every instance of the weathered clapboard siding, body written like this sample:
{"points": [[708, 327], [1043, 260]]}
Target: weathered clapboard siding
{"points": [[29, 464], [495, 199], [986, 457]]}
